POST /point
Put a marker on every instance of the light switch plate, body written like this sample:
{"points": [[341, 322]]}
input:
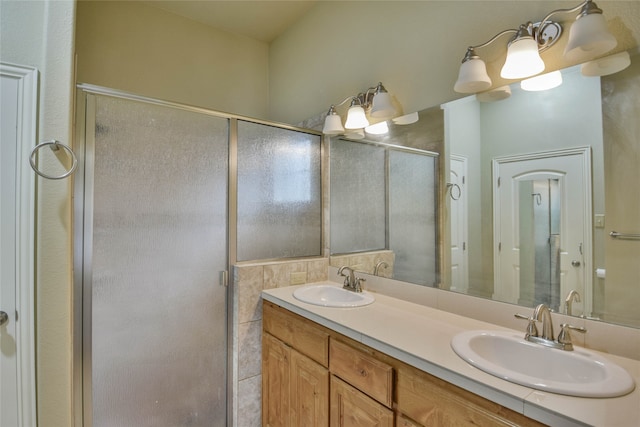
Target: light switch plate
{"points": [[599, 221]]}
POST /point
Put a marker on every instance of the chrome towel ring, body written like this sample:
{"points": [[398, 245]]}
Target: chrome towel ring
{"points": [[454, 189], [55, 145]]}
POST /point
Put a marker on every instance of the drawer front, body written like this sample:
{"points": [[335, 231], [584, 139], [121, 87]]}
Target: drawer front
{"points": [[298, 332], [363, 371], [436, 403]]}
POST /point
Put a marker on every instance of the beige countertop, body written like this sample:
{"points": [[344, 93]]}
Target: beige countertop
{"points": [[421, 336]]}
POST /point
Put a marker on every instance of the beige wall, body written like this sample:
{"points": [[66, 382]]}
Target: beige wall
{"points": [[414, 48], [40, 34], [147, 51]]}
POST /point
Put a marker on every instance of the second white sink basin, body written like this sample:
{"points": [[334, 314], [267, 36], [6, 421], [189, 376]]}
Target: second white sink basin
{"points": [[332, 295], [509, 356]]}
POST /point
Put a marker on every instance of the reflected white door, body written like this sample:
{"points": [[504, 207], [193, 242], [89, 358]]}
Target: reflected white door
{"points": [[457, 193], [572, 168], [17, 133]]}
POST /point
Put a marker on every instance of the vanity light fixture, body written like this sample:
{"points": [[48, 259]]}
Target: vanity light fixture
{"points": [[588, 38], [376, 102]]}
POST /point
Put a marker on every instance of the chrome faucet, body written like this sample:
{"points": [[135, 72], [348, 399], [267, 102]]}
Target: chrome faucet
{"points": [[376, 269], [572, 296], [547, 325], [351, 282], [542, 313]]}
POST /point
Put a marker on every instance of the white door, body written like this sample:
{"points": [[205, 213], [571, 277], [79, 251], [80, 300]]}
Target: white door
{"points": [[572, 170], [457, 193], [18, 103]]}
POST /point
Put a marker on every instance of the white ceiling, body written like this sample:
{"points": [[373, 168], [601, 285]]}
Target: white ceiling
{"points": [[262, 20]]}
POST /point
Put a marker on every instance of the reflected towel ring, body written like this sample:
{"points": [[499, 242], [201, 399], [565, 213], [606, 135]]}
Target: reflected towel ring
{"points": [[55, 146], [450, 187]]}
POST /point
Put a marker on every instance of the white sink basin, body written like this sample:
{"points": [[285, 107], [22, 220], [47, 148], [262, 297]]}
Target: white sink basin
{"points": [[575, 373], [332, 295]]}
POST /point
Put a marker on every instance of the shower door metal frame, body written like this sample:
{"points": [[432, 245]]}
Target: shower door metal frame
{"points": [[83, 228], [83, 244]]}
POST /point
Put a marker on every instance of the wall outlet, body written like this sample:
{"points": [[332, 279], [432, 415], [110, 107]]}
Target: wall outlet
{"points": [[298, 278], [599, 221]]}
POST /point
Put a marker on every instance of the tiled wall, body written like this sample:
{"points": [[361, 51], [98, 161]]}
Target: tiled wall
{"points": [[249, 280]]}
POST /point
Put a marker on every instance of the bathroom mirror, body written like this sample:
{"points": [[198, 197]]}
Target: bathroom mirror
{"points": [[378, 223], [587, 123], [387, 225]]}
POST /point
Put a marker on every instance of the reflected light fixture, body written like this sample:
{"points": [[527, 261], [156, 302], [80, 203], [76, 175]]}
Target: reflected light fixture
{"points": [[407, 119], [607, 65], [588, 38], [376, 102], [496, 94], [380, 128], [542, 82]]}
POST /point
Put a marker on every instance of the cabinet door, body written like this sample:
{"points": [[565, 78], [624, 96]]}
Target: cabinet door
{"points": [[352, 408], [276, 358], [309, 392]]}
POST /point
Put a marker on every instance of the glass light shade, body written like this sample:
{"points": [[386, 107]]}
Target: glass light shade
{"points": [[523, 60], [382, 106], [332, 125], [605, 66], [380, 128], [542, 82], [356, 119], [472, 77], [588, 38]]}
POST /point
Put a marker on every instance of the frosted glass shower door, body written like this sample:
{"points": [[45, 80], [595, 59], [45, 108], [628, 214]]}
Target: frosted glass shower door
{"points": [[155, 245]]}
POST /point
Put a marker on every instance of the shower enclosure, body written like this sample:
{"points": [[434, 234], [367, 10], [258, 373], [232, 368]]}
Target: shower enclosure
{"points": [[157, 229]]}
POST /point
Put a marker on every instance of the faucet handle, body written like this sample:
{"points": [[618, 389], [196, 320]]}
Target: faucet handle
{"points": [[532, 329], [564, 337], [358, 284]]}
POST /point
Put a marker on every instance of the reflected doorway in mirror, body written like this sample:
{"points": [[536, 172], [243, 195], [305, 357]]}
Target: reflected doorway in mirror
{"points": [[515, 256]]}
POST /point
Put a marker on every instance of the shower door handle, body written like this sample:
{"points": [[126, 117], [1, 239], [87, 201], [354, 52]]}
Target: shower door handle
{"points": [[4, 318], [575, 263]]}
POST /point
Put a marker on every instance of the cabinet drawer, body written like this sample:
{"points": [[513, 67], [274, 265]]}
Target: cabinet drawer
{"points": [[363, 371], [298, 332], [436, 403]]}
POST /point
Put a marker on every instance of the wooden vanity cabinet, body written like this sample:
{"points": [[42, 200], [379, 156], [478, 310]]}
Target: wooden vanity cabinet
{"points": [[313, 376], [295, 378]]}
